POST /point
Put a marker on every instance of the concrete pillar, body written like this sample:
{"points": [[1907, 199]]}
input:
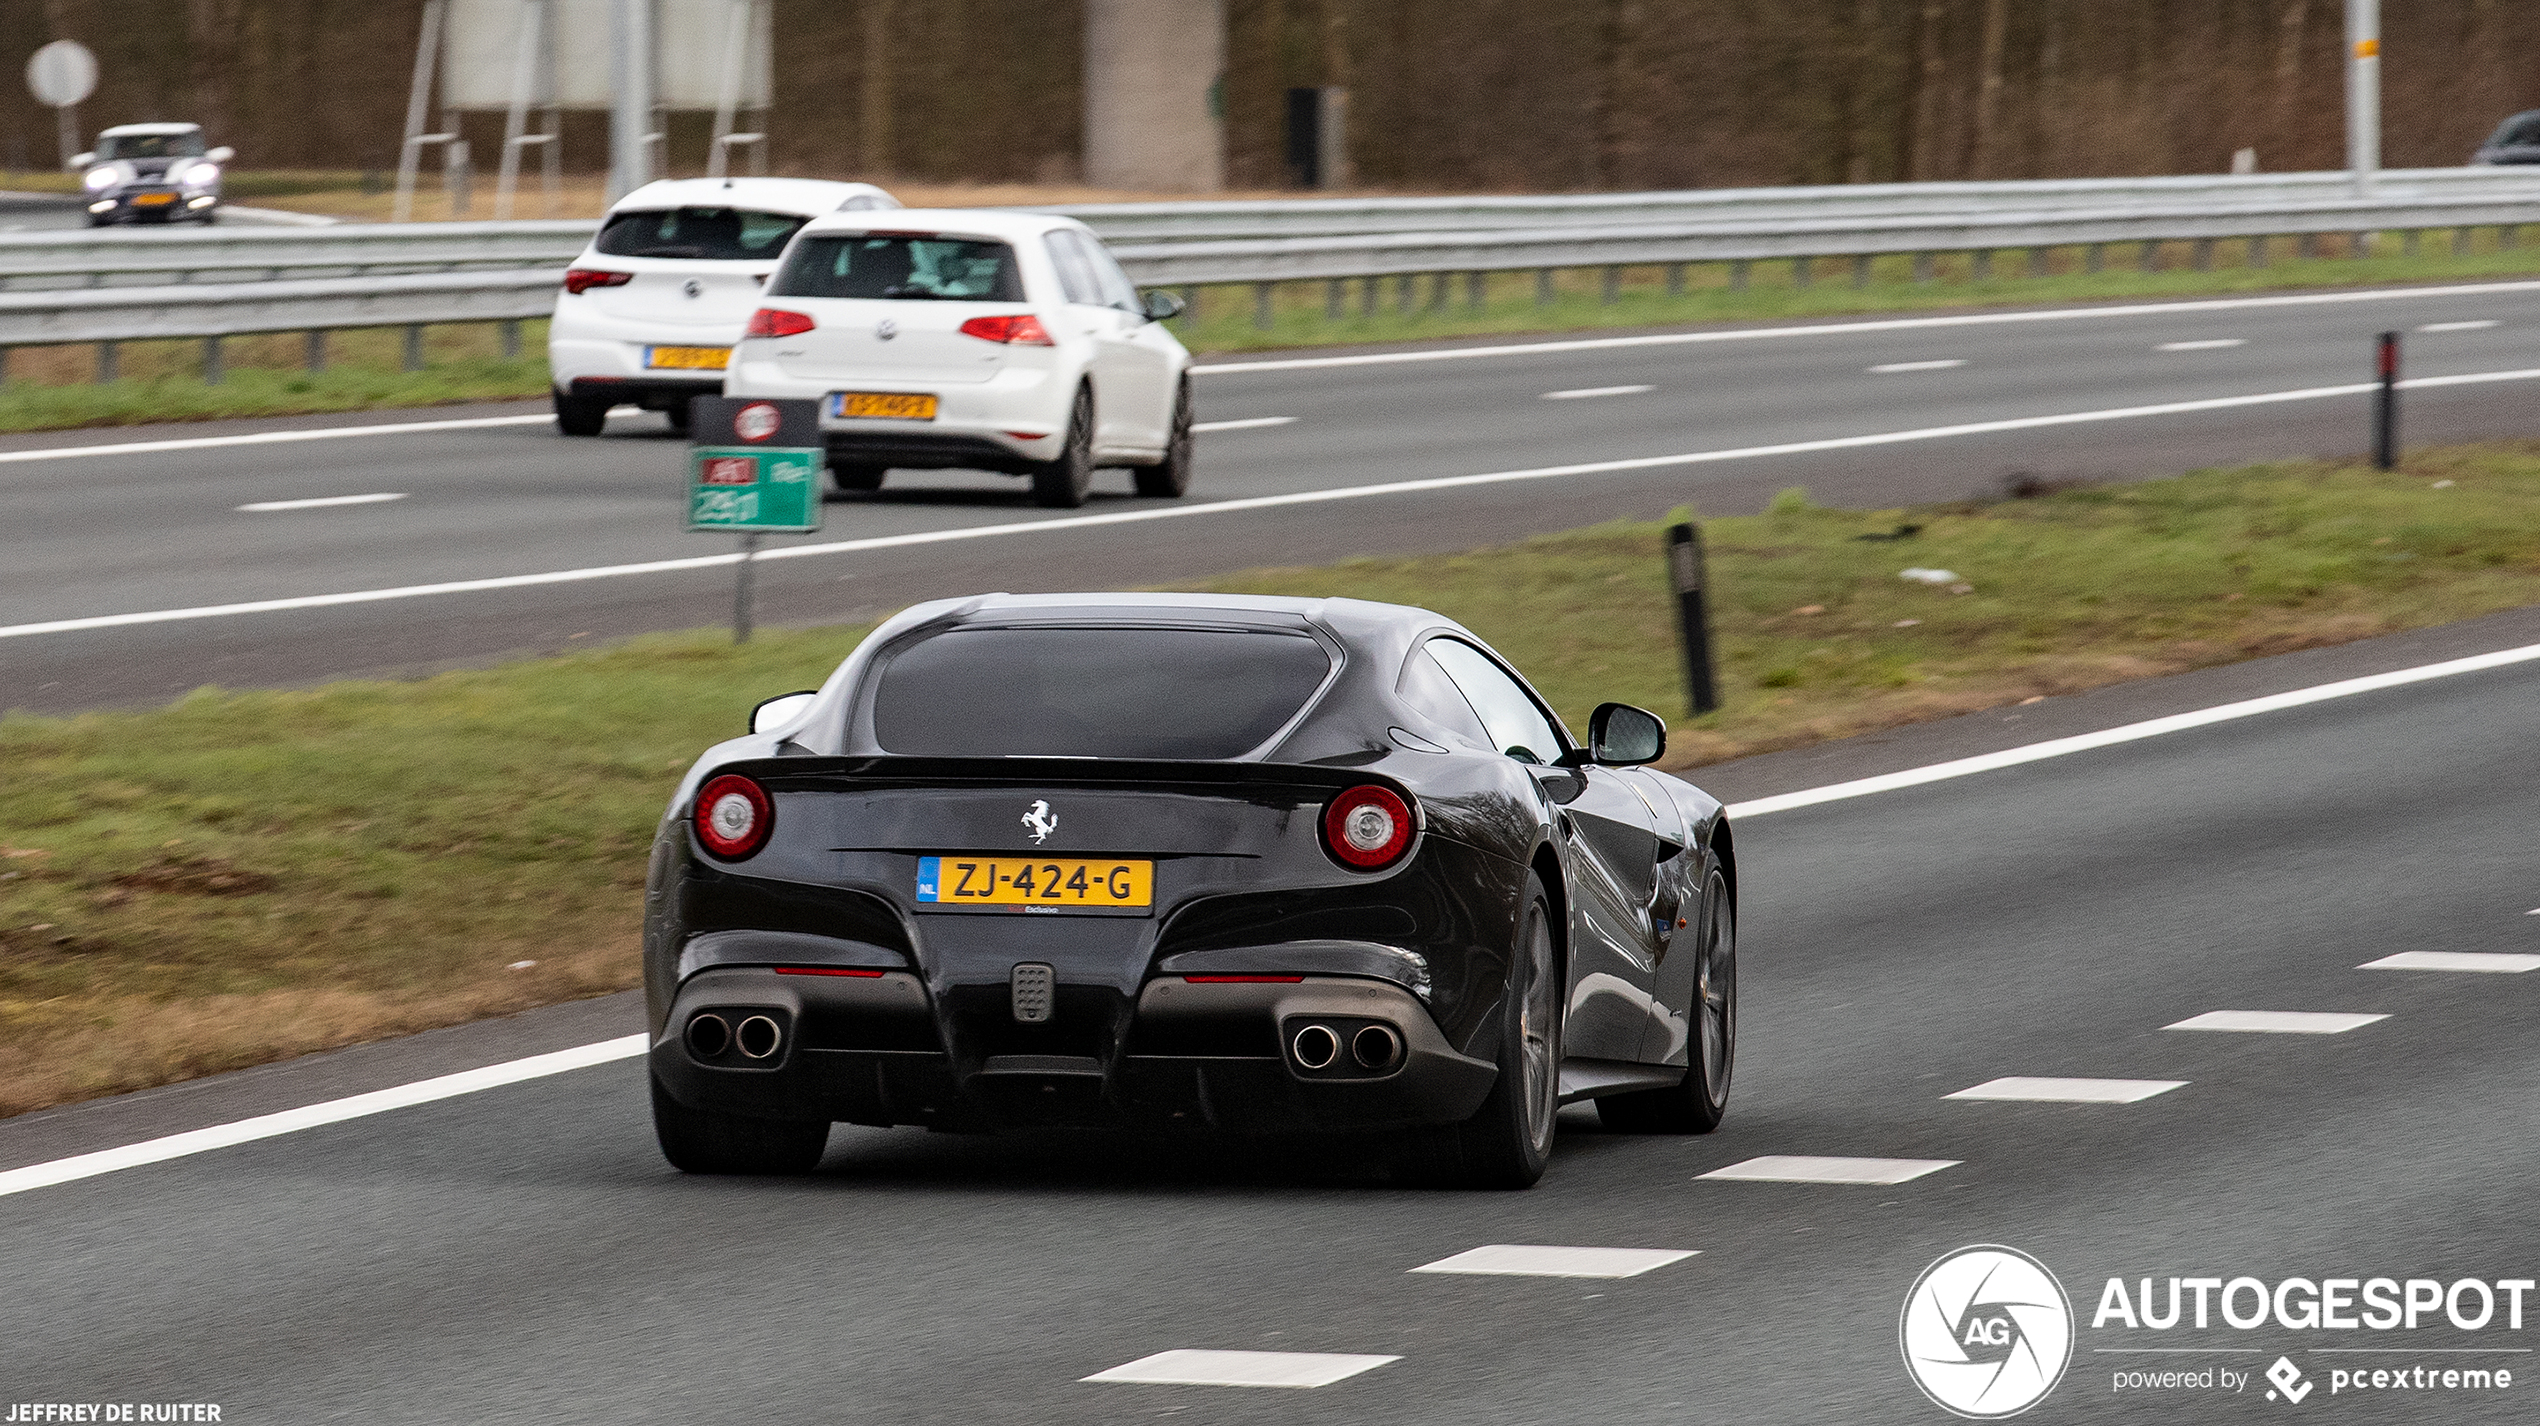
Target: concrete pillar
{"points": [[1154, 112]]}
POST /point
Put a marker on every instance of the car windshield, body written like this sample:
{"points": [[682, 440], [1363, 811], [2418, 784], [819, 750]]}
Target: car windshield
{"points": [[900, 267], [151, 146], [1095, 692], [707, 234]]}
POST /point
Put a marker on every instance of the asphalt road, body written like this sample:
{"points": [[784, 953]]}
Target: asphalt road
{"points": [[522, 1254], [136, 532]]}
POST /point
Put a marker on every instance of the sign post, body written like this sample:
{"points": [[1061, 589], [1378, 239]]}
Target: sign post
{"points": [[62, 74], [1693, 615], [753, 469]]}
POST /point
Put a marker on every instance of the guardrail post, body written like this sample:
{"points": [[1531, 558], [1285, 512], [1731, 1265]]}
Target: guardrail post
{"points": [[1261, 299], [1738, 273], [1801, 273], [212, 372], [2095, 258], [2385, 403], [1437, 291], [1693, 616], [4, 366], [1980, 266], [1613, 285], [2037, 262], [2359, 245], [2508, 235], [1476, 290], [511, 339], [414, 346], [2463, 239], [2257, 254], [1861, 270], [1190, 304], [1676, 278], [315, 357], [1402, 299], [2307, 246], [1367, 297], [1543, 287], [2147, 257], [1922, 267], [107, 363], [2204, 254], [2408, 243], [1333, 299]]}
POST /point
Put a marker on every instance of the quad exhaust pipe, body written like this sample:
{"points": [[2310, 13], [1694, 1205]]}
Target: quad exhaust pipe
{"points": [[758, 1037], [1375, 1048]]}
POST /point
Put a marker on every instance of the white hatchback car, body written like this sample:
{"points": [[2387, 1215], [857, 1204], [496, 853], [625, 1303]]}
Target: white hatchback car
{"points": [[650, 311], [982, 340]]}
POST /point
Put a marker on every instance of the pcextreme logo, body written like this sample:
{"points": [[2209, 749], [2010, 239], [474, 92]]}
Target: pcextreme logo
{"points": [[1986, 1332]]}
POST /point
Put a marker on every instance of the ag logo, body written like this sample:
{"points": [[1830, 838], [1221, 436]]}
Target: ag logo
{"points": [[1986, 1332], [756, 421]]}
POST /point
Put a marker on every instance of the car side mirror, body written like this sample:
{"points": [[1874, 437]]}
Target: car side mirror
{"points": [[1160, 306], [223, 154], [1620, 735], [83, 160], [784, 708]]}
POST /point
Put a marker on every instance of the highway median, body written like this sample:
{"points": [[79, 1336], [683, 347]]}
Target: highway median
{"points": [[245, 876]]}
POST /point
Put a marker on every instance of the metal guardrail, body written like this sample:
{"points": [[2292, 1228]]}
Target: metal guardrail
{"points": [[229, 309], [79, 258]]}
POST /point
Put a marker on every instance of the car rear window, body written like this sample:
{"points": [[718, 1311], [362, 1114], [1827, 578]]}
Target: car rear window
{"points": [[707, 234], [900, 267], [1095, 692]]}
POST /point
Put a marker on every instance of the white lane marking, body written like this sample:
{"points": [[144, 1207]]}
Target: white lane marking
{"points": [[1253, 423], [2277, 1022], [1890, 368], [1586, 393], [270, 438], [265, 506], [2069, 1091], [333, 1111], [1806, 1168], [2491, 961], [1226, 507], [2131, 732], [1889, 324], [2210, 344], [2478, 326], [1523, 1260], [1186, 1367]]}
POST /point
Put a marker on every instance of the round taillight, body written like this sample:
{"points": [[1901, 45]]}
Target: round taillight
{"points": [[734, 816], [1368, 827]]}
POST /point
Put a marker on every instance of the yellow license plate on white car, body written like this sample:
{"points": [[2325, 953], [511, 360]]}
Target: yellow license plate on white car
{"points": [[687, 358], [883, 405]]}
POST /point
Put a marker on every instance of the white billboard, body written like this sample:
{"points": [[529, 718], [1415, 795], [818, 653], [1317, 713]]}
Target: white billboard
{"points": [[692, 43]]}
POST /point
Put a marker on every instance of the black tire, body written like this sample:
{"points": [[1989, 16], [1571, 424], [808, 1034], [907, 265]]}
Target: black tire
{"points": [[1696, 1105], [1062, 484], [698, 1141], [1171, 479], [856, 478], [581, 415], [210, 216], [1508, 1142], [678, 417]]}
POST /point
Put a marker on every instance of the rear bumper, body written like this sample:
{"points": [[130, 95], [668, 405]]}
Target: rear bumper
{"points": [[867, 1049], [1010, 422], [653, 393]]}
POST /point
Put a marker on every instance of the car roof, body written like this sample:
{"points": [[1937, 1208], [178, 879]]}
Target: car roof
{"points": [[140, 130], [965, 222], [808, 197]]}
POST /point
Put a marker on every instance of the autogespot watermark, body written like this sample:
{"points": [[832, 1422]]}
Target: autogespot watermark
{"points": [[15, 1413], [1987, 1332]]}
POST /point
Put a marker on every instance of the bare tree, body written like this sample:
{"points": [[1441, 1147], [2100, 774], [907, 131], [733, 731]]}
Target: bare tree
{"points": [[1922, 144], [1981, 158]]}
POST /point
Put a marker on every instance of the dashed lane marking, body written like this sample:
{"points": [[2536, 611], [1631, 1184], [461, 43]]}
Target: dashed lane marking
{"points": [[2277, 1022], [2069, 1091], [1805, 1168], [2477, 326], [1249, 423], [2209, 344], [1893, 367], [263, 507], [1188, 1367], [1586, 393], [2491, 961], [1523, 1260]]}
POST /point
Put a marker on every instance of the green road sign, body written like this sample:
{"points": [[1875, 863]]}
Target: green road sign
{"points": [[754, 488]]}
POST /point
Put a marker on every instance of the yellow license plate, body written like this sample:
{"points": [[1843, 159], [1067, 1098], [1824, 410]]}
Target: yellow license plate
{"points": [[888, 405], [688, 358], [153, 200], [1054, 883]]}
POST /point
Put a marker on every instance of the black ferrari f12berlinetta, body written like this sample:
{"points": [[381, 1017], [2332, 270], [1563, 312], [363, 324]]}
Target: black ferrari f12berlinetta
{"points": [[1207, 863]]}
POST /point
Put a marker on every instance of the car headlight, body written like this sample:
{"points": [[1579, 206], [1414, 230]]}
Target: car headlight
{"points": [[201, 175], [100, 177]]}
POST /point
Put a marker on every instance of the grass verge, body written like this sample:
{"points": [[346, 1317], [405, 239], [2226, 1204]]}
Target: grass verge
{"points": [[245, 876]]}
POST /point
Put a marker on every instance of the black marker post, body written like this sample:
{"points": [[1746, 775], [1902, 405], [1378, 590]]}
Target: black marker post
{"points": [[1684, 567]]}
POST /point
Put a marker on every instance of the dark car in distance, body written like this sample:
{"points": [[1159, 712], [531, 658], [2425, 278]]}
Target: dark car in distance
{"points": [[2517, 140], [1221, 863]]}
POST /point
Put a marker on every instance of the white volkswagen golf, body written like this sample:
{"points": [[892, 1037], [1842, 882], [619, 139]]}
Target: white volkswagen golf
{"points": [[998, 341], [650, 311]]}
